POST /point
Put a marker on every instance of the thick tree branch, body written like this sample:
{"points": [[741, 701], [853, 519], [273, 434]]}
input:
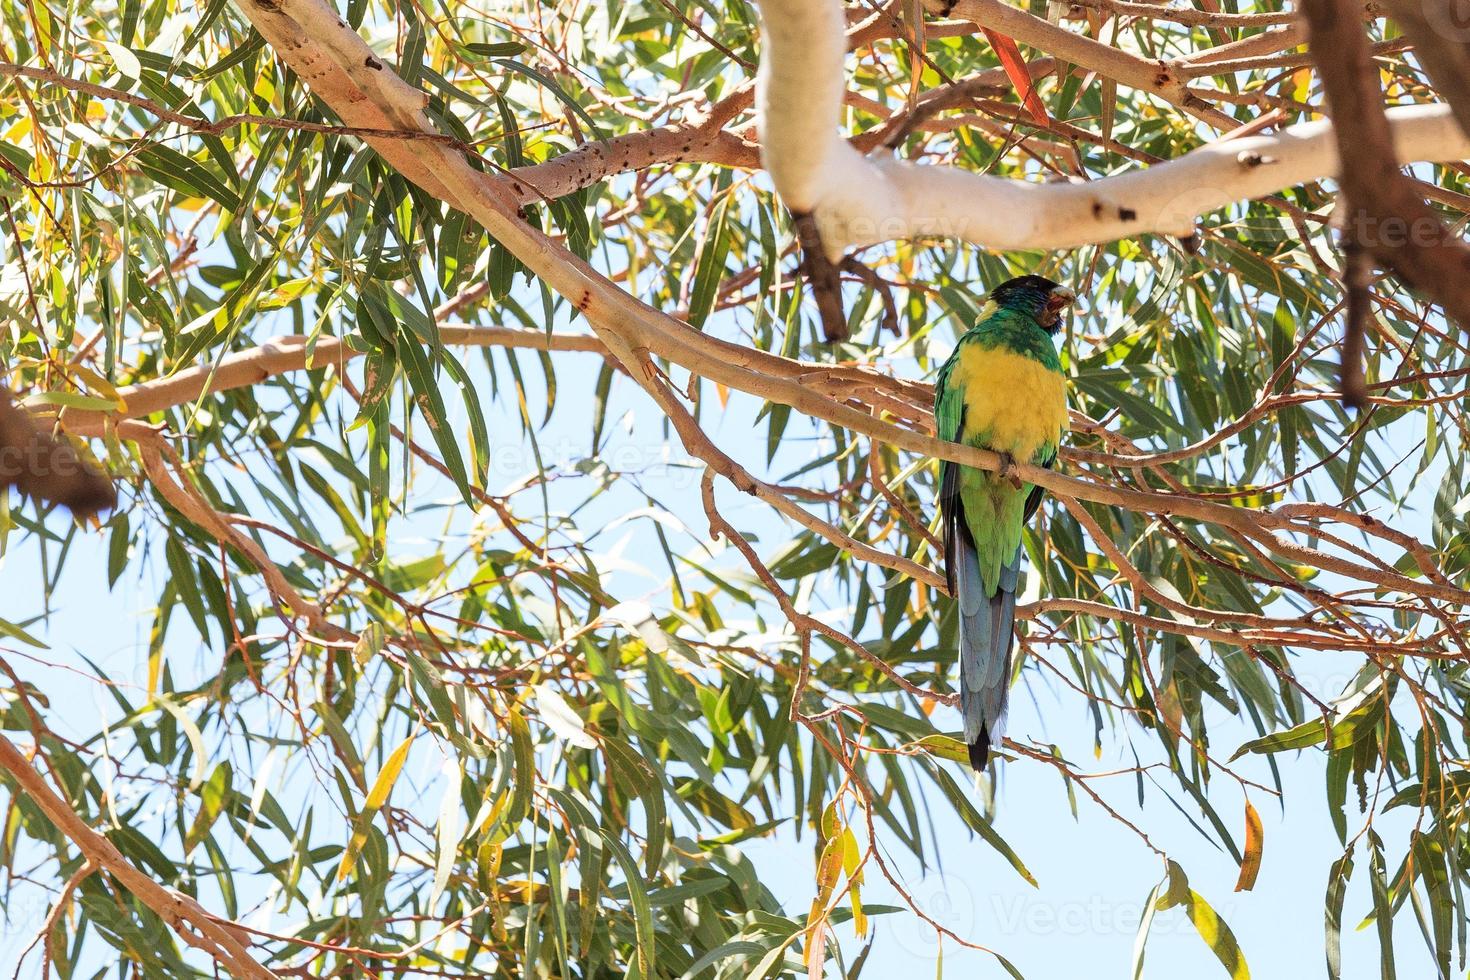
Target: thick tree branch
{"points": [[864, 200], [1255, 46], [1385, 213], [1154, 77]]}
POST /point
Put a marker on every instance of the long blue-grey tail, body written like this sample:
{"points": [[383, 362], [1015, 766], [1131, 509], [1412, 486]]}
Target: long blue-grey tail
{"points": [[987, 630]]}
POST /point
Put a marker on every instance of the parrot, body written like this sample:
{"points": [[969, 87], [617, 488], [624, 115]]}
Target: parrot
{"points": [[1002, 389]]}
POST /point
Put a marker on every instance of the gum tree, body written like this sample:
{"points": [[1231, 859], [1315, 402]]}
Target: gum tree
{"points": [[521, 416]]}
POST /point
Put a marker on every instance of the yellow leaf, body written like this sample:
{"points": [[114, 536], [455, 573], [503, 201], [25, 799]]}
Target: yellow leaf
{"points": [[851, 857], [852, 867], [831, 821], [284, 294], [155, 660], [264, 88], [487, 871], [19, 131], [387, 776], [377, 796], [828, 870], [354, 848], [1250, 864], [369, 643], [1207, 922], [487, 868], [489, 813], [1217, 935], [1301, 82], [97, 383]]}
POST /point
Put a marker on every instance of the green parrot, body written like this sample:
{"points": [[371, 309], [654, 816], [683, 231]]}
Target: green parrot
{"points": [[1002, 389]]}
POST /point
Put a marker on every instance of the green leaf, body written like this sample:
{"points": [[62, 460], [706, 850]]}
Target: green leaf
{"points": [[420, 374], [16, 633], [647, 945], [556, 90], [945, 747], [1211, 928], [709, 264], [1382, 905], [1145, 923], [1337, 879], [978, 823], [73, 399], [213, 795], [169, 166]]}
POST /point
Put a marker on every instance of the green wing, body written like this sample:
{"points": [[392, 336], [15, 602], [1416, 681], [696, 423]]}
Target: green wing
{"points": [[1033, 500], [949, 401], [949, 421]]}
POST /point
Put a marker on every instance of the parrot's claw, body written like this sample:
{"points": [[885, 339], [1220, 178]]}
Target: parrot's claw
{"points": [[1007, 470]]}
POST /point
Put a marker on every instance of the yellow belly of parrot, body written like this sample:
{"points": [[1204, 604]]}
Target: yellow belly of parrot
{"points": [[1013, 404]]}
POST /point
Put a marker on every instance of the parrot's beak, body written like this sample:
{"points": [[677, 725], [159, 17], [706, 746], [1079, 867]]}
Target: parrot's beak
{"points": [[1056, 303]]}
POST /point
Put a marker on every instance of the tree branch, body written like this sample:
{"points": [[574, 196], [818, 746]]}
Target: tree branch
{"points": [[283, 355], [1188, 15], [173, 485], [862, 200], [1157, 78], [227, 946], [1385, 213]]}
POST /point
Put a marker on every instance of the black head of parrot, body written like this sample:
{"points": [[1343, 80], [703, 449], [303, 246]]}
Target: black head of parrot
{"points": [[1036, 296]]}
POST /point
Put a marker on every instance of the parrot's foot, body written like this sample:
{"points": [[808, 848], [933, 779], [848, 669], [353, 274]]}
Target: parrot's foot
{"points": [[1007, 469]]}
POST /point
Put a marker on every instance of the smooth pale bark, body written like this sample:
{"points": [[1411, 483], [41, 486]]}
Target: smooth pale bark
{"points": [[862, 199]]}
